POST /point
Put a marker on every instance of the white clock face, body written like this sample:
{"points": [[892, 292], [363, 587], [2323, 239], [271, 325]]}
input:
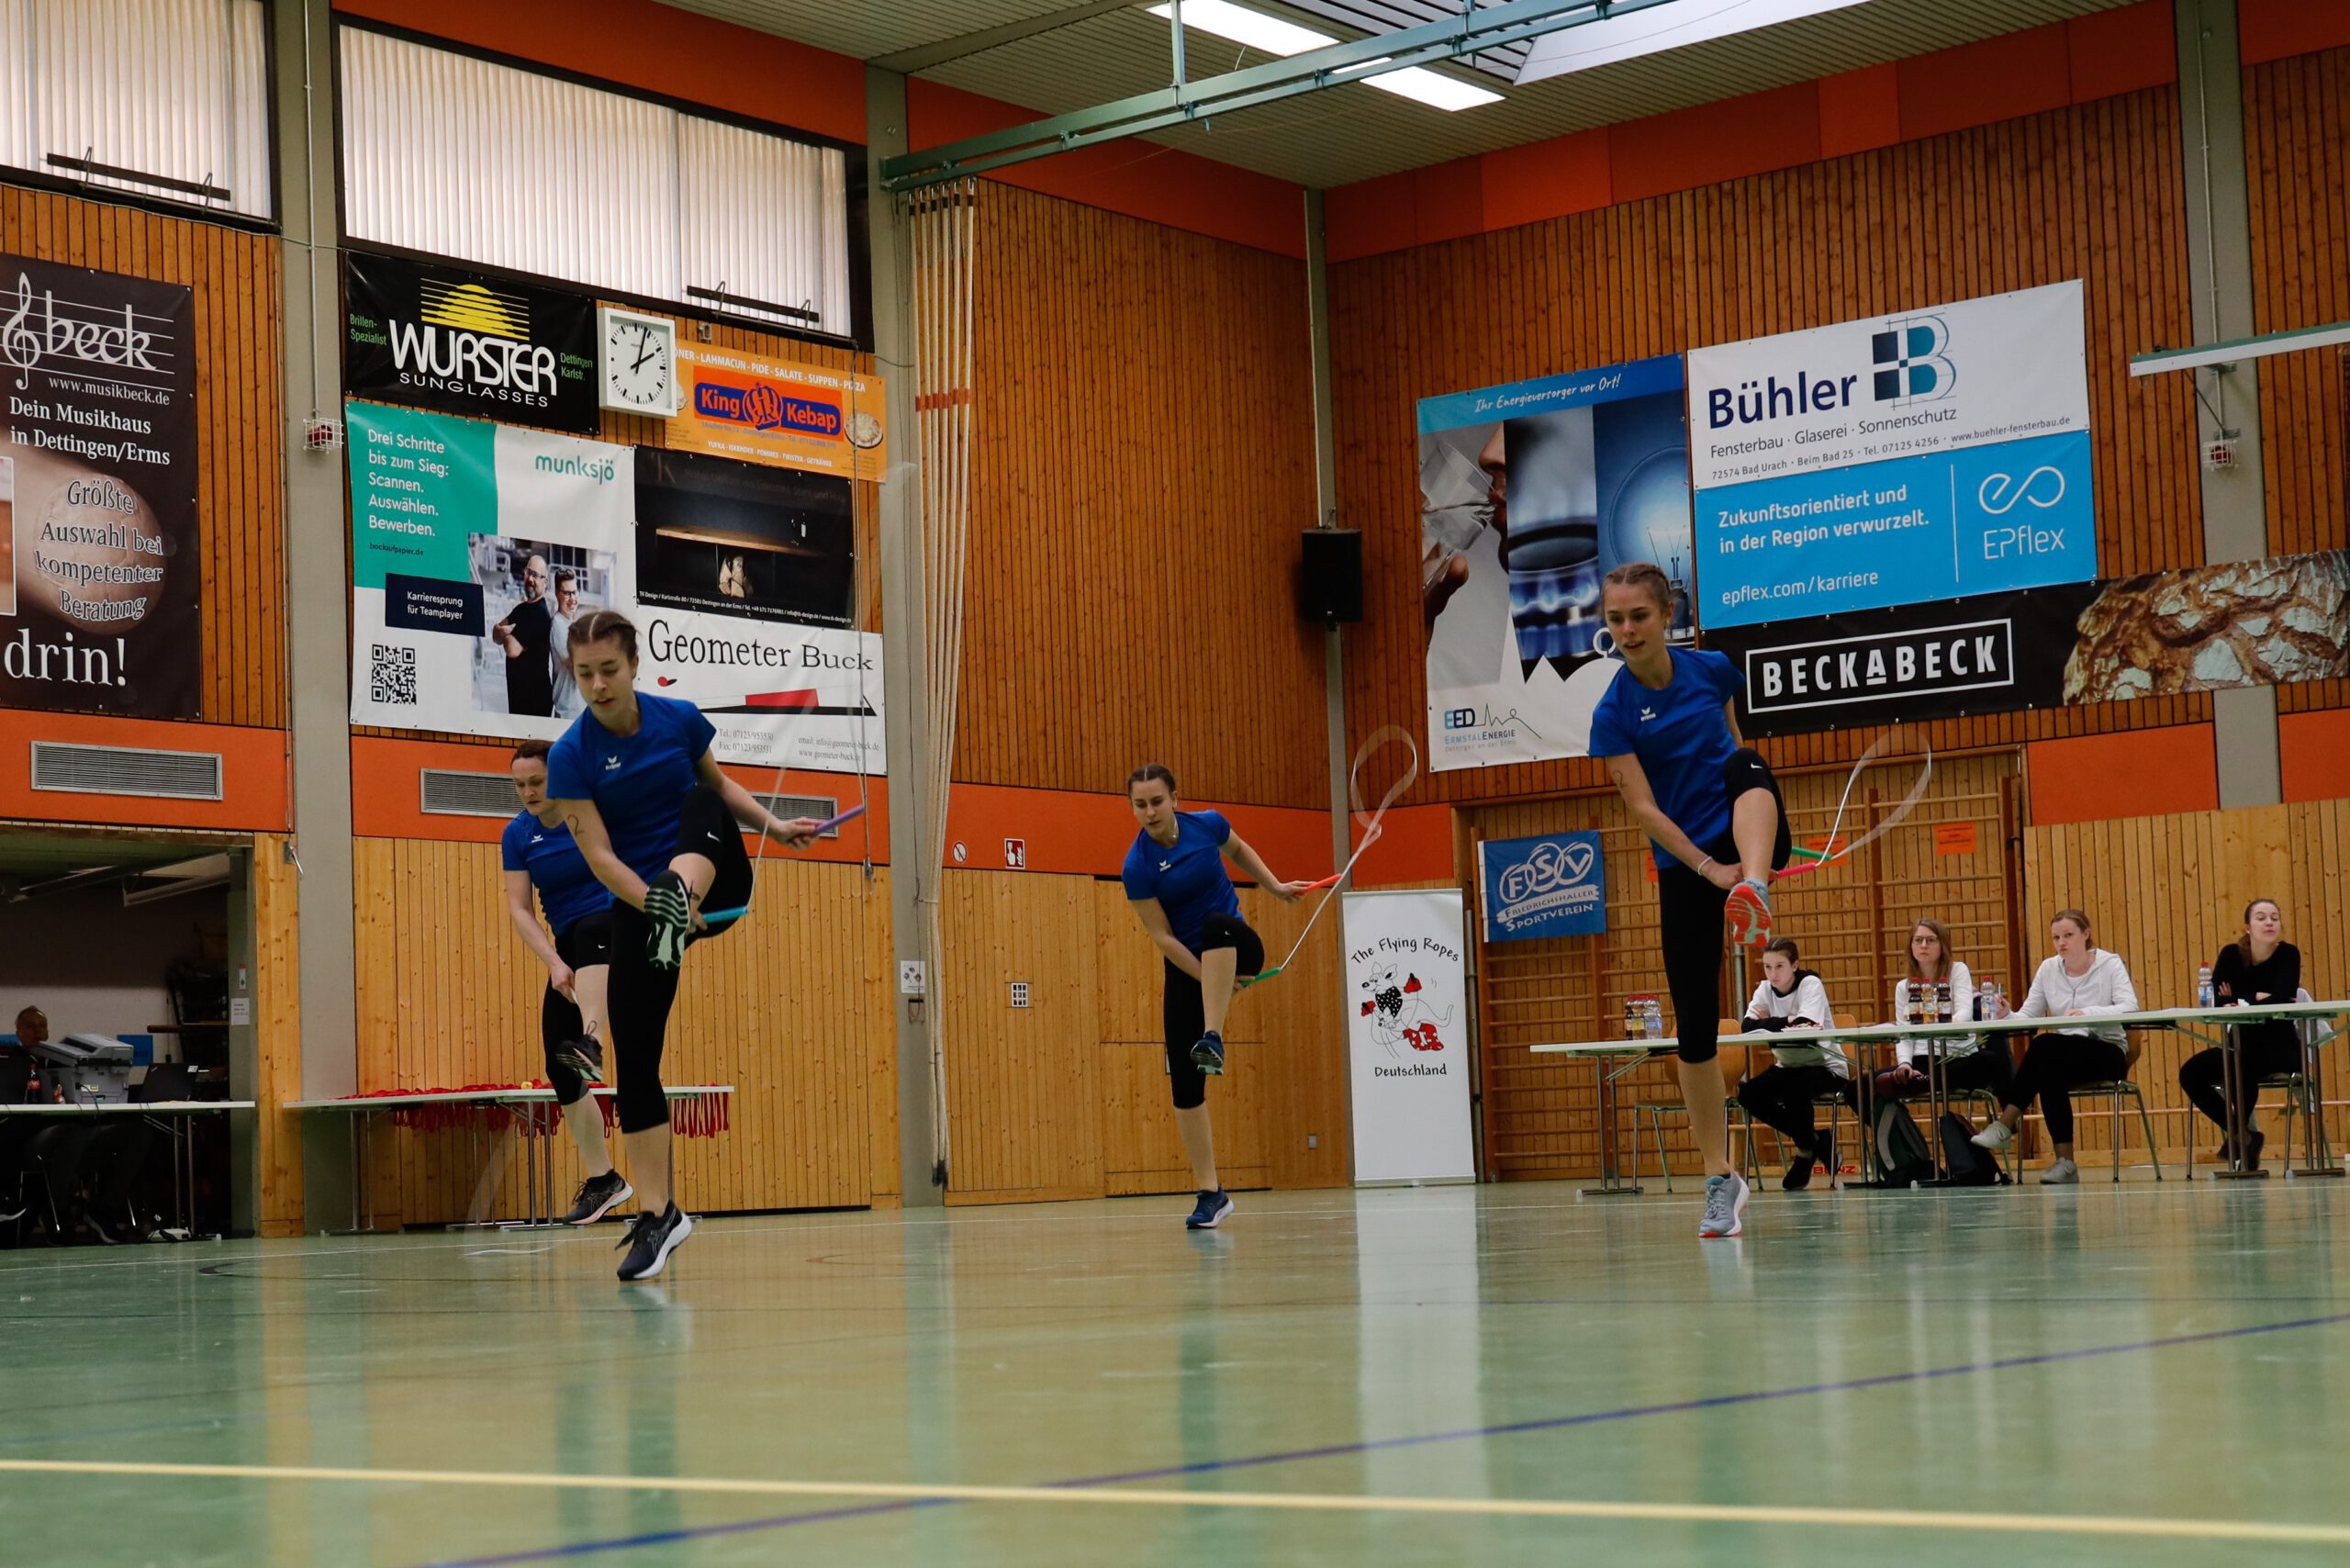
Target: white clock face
{"points": [[639, 363]]}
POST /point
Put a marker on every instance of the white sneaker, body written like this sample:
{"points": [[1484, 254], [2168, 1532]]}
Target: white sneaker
{"points": [[1997, 1135], [2062, 1173]]}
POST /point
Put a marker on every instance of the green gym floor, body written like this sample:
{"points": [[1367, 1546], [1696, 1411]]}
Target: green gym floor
{"points": [[2133, 1374]]}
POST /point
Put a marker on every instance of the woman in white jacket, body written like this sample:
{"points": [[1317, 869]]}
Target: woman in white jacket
{"points": [[1969, 1060], [2080, 981]]}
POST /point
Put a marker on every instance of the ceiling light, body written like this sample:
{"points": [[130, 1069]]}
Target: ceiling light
{"points": [[1271, 35], [1654, 31]]}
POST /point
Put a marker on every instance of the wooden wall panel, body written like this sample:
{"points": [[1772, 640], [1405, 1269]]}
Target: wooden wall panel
{"points": [[2166, 894], [278, 1027], [241, 418], [792, 1008], [2093, 192], [1142, 467]]}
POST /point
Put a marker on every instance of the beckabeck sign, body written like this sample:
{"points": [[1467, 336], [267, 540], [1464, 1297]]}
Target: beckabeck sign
{"points": [[1896, 459], [1407, 1036]]}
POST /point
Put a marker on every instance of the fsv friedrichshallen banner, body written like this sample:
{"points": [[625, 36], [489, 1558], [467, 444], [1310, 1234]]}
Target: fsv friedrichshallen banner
{"points": [[1900, 459], [1555, 885], [101, 580], [475, 545]]}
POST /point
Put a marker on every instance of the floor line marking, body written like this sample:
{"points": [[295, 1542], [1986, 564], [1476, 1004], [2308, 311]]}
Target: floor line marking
{"points": [[1306, 1502]]}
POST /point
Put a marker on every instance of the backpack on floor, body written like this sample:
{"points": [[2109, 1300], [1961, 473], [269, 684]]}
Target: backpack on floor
{"points": [[1964, 1164], [1902, 1157]]}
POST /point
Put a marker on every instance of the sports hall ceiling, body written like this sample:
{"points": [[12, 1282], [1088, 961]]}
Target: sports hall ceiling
{"points": [[1090, 52]]}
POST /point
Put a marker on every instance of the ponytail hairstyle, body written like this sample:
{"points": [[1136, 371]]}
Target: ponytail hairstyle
{"points": [[1786, 947], [1149, 771], [599, 624], [1646, 576], [2244, 943], [2077, 918], [1942, 935]]}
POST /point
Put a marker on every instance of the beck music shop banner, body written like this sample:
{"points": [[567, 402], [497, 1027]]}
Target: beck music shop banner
{"points": [[2262, 622], [462, 342], [101, 582]]}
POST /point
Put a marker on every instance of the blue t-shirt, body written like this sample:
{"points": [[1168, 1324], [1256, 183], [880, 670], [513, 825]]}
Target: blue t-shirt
{"points": [[638, 781], [569, 891], [1681, 736], [1186, 877]]}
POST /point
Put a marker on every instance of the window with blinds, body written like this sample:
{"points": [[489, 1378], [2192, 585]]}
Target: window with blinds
{"points": [[167, 99], [455, 156]]}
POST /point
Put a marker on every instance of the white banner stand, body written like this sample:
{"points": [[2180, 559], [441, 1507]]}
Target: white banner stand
{"points": [[1407, 1036]]}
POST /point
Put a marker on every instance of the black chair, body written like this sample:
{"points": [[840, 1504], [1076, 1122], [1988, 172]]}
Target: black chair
{"points": [[164, 1082]]}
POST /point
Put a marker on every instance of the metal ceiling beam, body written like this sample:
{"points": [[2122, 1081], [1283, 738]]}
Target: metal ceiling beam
{"points": [[1311, 71]]}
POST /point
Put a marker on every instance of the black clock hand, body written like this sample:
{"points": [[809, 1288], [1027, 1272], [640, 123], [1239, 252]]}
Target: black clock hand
{"points": [[644, 335]]}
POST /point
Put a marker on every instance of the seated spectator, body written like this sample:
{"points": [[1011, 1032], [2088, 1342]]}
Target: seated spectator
{"points": [[1782, 1094], [2081, 981], [1969, 1060], [2260, 965]]}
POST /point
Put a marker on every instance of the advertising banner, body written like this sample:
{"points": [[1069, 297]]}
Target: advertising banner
{"points": [[1531, 494], [475, 545], [778, 411], [462, 342], [1555, 885], [1407, 1036], [1894, 460], [101, 579], [2234, 624]]}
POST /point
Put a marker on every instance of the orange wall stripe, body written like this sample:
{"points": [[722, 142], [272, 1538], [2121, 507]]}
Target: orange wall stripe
{"points": [[1415, 846], [2313, 750], [653, 49], [252, 772], [2130, 773], [2272, 29]]}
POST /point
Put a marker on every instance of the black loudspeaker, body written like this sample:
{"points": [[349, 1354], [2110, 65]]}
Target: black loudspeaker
{"points": [[1329, 588]]}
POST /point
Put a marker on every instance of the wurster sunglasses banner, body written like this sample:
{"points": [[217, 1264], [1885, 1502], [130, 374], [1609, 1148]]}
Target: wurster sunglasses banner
{"points": [[101, 581], [465, 344]]}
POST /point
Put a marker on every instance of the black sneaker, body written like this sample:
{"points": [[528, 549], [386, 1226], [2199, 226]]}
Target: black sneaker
{"points": [[1799, 1174], [599, 1195], [1210, 1210], [584, 1057], [650, 1240], [1208, 1055], [670, 912]]}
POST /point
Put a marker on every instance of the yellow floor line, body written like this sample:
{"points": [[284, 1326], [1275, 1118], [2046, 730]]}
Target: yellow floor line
{"points": [[1121, 1496]]}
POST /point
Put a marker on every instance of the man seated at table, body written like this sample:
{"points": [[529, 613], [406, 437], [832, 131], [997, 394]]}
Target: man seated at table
{"points": [[1782, 1095]]}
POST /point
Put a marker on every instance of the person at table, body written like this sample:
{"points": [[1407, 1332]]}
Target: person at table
{"points": [[2258, 967], [1783, 1095], [1969, 1061], [2082, 980]]}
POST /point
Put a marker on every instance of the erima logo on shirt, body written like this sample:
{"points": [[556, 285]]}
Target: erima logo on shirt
{"points": [[612, 765], [1165, 865], [1646, 715], [538, 838]]}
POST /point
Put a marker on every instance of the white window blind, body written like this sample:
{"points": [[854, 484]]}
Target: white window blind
{"points": [[459, 157], [164, 98]]}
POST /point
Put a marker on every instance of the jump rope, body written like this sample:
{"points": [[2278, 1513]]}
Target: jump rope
{"points": [[1836, 852], [1370, 819]]}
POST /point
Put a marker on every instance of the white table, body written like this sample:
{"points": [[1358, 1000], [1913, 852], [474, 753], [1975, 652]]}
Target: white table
{"points": [[532, 1102], [2218, 1028], [169, 1118]]}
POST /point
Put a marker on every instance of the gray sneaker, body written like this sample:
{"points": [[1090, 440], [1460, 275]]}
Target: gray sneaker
{"points": [[2062, 1173], [1725, 1207]]}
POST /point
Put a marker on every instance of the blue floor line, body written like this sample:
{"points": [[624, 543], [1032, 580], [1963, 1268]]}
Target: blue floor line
{"points": [[1340, 1451]]}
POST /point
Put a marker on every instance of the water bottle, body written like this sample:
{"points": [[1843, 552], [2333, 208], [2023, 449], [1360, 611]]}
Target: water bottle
{"points": [[2204, 996], [1636, 1023], [1986, 1003], [1656, 1019]]}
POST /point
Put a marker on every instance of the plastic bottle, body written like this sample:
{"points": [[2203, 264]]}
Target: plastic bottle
{"points": [[1636, 1023], [2203, 993], [1655, 1019], [1941, 1002], [1987, 1002]]}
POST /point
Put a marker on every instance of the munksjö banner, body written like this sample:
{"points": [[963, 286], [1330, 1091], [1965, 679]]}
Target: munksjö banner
{"points": [[475, 545], [1898, 459], [101, 581], [2234, 623]]}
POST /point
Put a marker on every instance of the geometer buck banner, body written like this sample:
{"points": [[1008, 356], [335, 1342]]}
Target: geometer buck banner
{"points": [[1407, 1036], [1896, 459], [475, 545]]}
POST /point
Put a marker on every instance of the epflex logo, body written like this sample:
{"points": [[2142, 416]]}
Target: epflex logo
{"points": [[36, 330], [1909, 363], [1881, 667]]}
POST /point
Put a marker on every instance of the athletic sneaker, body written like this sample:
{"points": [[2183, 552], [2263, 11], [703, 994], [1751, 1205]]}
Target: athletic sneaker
{"points": [[1725, 1207], [650, 1240], [1996, 1134], [584, 1057], [1210, 1211], [598, 1196], [1799, 1174], [2063, 1174], [1208, 1055], [670, 912], [1747, 912]]}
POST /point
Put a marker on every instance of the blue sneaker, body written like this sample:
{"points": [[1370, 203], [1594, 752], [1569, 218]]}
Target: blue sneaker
{"points": [[1208, 1055], [1209, 1212]]}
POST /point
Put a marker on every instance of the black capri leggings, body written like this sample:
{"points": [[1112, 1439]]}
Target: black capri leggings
{"points": [[2266, 1050], [1689, 908], [1183, 1011], [642, 995], [584, 943]]}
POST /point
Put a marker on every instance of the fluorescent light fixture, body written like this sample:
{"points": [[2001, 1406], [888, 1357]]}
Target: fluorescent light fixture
{"points": [[1273, 36], [1657, 29]]}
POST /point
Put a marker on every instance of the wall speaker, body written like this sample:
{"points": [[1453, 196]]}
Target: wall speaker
{"points": [[1330, 575]]}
